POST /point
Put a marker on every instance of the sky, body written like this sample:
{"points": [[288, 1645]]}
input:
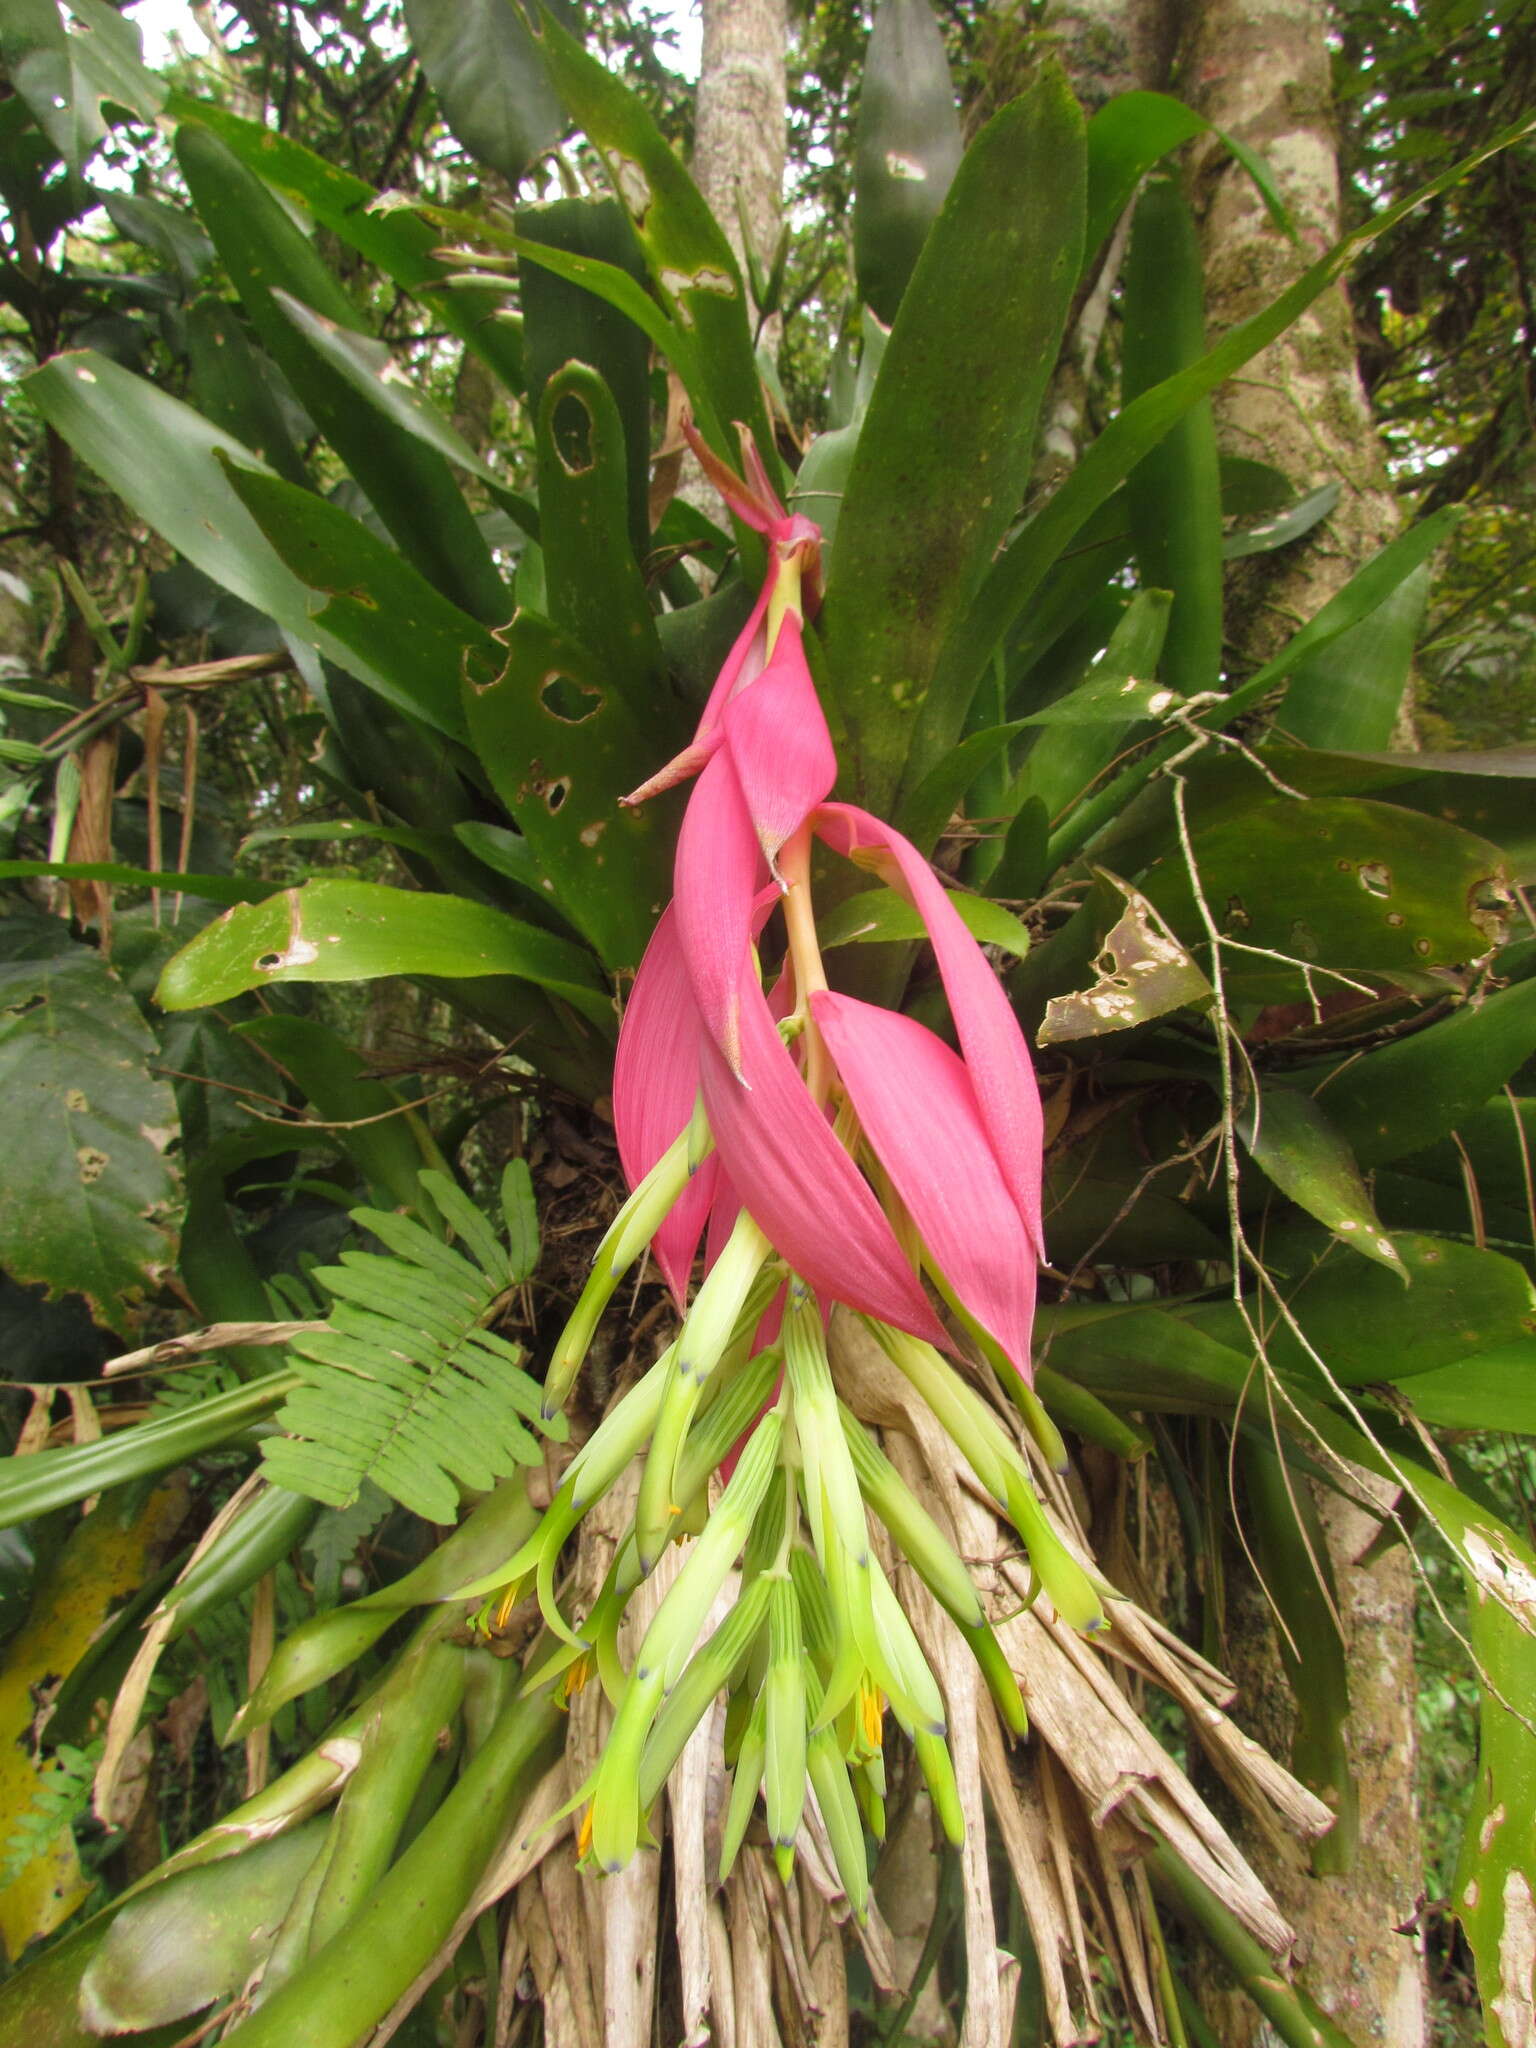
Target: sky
{"points": [[159, 20]]}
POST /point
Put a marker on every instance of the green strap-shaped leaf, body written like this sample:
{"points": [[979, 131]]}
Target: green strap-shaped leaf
{"points": [[1282, 527], [596, 592], [234, 388], [1134, 131], [489, 78], [1349, 693], [410, 641], [877, 916], [211, 888], [561, 745], [408, 484], [371, 370], [87, 1192], [1395, 1101], [1174, 492], [691, 262], [564, 323], [944, 454], [66, 76], [907, 148], [1292, 1140], [397, 240], [358, 931], [1028, 561]]}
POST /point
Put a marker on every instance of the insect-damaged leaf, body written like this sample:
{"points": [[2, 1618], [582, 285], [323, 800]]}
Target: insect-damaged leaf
{"points": [[358, 931], [561, 745], [1142, 972], [86, 1187]]}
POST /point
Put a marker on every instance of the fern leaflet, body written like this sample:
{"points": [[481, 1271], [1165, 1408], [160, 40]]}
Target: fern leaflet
{"points": [[405, 1386]]}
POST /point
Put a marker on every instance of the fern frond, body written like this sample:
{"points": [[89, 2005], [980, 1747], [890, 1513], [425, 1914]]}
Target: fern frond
{"points": [[404, 1387]]}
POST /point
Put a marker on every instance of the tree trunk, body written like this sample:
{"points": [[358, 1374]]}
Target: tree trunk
{"points": [[738, 150], [1259, 70]]}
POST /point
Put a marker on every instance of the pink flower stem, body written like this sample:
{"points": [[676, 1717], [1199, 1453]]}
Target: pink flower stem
{"points": [[805, 955]]}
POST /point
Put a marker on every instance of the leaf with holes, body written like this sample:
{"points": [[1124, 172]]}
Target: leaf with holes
{"points": [[68, 76], [87, 1191], [561, 746], [1142, 972], [1369, 889], [359, 931]]}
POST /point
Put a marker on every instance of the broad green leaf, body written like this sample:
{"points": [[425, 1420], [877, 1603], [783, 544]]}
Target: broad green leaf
{"points": [[907, 147], [596, 591], [484, 65], [1298, 1148], [110, 417], [408, 484], [198, 1936], [1174, 492], [1134, 131], [1281, 528], [877, 916], [399, 242], [87, 1193], [561, 745], [358, 931], [944, 455], [690, 260], [563, 323], [1349, 693], [1493, 1389], [1404, 1096], [520, 1209], [398, 629], [1367, 1327], [1142, 972], [1368, 888], [371, 370], [66, 75], [1147, 1358], [1109, 699]]}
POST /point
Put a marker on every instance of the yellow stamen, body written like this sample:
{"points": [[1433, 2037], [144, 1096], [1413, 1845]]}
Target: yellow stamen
{"points": [[584, 1834], [872, 1714], [574, 1678]]}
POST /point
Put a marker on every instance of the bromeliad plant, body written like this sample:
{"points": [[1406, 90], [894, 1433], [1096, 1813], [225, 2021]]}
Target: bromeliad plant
{"points": [[1265, 958], [833, 1151]]}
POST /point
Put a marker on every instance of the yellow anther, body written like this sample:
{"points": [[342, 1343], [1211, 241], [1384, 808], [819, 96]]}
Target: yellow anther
{"points": [[574, 1678], [872, 1714], [584, 1834]]}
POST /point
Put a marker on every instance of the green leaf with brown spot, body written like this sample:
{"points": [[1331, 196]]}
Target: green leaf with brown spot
{"points": [[944, 454], [1369, 889], [87, 1194], [1292, 1140], [360, 931]]}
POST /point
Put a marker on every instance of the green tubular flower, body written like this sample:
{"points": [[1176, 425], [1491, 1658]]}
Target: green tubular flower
{"points": [[997, 1464], [616, 1811], [933, 1558], [784, 1698], [840, 1814], [623, 1242], [751, 1760], [712, 1668], [939, 1773], [710, 1328]]}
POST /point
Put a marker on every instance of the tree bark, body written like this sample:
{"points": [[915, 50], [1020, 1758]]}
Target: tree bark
{"points": [[739, 133], [1259, 70]]}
